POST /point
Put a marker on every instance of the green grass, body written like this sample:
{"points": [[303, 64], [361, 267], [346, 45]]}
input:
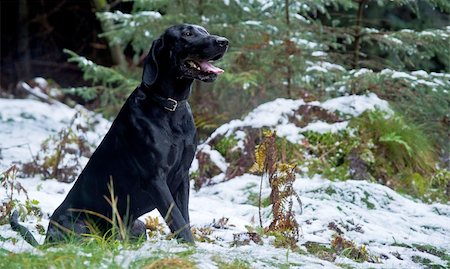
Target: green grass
{"points": [[366, 200], [93, 254], [235, 264], [432, 250]]}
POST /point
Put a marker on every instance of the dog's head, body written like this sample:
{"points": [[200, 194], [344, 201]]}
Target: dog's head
{"points": [[185, 51]]}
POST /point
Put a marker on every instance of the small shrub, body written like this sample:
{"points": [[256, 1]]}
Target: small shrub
{"points": [[281, 177], [202, 234], [154, 227], [11, 186], [60, 154], [349, 250], [379, 147], [321, 250], [401, 143], [225, 145], [243, 239], [404, 158], [330, 154]]}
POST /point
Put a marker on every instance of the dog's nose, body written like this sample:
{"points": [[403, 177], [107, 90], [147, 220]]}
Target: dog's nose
{"points": [[222, 41]]}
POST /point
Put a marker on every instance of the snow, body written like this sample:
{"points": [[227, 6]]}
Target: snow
{"points": [[24, 124], [275, 115], [268, 114], [42, 82], [356, 104], [398, 74], [215, 156], [361, 71], [324, 127], [368, 213], [304, 43], [319, 53], [323, 66]]}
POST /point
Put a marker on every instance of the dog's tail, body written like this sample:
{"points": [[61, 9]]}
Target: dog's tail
{"points": [[22, 230]]}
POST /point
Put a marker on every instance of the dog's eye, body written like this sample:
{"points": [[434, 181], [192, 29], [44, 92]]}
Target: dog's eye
{"points": [[187, 34]]}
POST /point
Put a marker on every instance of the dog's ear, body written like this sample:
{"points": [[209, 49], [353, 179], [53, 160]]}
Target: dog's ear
{"points": [[151, 64]]}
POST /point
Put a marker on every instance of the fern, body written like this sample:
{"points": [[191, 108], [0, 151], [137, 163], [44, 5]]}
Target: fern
{"points": [[395, 138], [281, 177]]}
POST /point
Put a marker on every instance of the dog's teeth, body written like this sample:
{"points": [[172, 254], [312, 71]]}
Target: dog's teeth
{"points": [[191, 63]]}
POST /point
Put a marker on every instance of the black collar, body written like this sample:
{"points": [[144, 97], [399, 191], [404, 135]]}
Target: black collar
{"points": [[167, 103]]}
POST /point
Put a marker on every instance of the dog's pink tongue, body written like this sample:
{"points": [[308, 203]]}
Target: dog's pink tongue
{"points": [[209, 68]]}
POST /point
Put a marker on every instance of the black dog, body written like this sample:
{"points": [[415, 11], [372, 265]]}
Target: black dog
{"points": [[149, 149]]}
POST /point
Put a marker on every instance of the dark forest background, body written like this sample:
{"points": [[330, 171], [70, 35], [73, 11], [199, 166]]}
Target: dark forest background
{"points": [[35, 32]]}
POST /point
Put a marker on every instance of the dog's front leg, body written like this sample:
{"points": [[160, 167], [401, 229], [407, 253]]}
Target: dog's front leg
{"points": [[182, 199], [167, 207]]}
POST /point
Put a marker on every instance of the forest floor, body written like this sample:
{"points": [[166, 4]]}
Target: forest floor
{"points": [[393, 230]]}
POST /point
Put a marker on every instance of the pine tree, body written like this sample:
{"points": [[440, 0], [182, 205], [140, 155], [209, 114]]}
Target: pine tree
{"points": [[286, 48]]}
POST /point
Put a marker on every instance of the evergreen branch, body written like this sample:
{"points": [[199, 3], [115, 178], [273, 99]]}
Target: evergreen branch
{"points": [[100, 74]]}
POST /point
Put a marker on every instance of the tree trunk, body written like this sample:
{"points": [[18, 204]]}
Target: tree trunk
{"points": [[289, 67], [23, 67], [361, 4], [116, 51]]}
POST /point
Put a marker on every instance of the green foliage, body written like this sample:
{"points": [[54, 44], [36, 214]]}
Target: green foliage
{"points": [[349, 249], [170, 263], [225, 145], [112, 85], [289, 49], [71, 256], [379, 147], [90, 254], [340, 246], [235, 264], [321, 250], [403, 145], [310, 48], [329, 153], [427, 263], [440, 186]]}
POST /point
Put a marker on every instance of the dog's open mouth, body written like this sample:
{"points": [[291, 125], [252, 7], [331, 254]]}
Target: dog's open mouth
{"points": [[203, 66], [203, 70]]}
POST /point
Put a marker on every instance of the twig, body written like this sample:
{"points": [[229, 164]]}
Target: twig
{"points": [[259, 201]]}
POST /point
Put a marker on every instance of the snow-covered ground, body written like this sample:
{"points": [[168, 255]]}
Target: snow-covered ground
{"points": [[389, 224]]}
